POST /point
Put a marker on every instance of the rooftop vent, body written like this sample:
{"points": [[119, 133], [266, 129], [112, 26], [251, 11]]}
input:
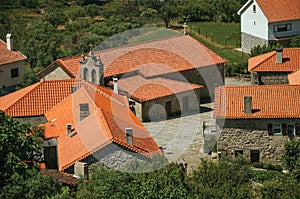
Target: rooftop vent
{"points": [[115, 80], [129, 135], [69, 128], [279, 55], [248, 104]]}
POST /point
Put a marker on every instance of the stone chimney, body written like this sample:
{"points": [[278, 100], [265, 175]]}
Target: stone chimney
{"points": [[115, 80], [279, 55], [248, 104], [9, 42], [129, 135], [69, 128], [81, 170]]}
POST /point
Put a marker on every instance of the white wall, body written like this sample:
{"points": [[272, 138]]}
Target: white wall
{"points": [[5, 75], [254, 23]]}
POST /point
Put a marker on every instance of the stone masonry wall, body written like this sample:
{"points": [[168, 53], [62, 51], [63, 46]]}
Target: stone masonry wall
{"points": [[249, 41], [270, 147], [156, 109], [266, 78], [55, 73]]}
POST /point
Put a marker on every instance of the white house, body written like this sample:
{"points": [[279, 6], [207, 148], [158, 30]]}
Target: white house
{"points": [[268, 21], [12, 65]]}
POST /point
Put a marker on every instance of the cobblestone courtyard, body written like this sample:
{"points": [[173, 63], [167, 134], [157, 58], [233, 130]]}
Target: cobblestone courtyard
{"points": [[182, 138]]}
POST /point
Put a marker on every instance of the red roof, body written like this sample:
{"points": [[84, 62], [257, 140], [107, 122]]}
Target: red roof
{"points": [[8, 56], [268, 101], [294, 78], [185, 49], [105, 124], [267, 62], [38, 98], [148, 89], [280, 10]]}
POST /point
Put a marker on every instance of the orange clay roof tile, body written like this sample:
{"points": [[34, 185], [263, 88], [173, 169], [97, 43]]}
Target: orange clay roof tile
{"points": [[294, 78], [267, 62], [105, 124], [189, 53], [269, 101], [149, 89], [280, 10], [7, 56], [36, 99]]}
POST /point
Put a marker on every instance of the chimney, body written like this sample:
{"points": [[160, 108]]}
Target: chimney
{"points": [[115, 80], [84, 111], [81, 170], [248, 104], [129, 135], [69, 128], [73, 89], [9, 42], [279, 55]]}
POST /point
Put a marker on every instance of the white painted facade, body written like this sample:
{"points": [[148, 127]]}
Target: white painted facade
{"points": [[254, 22], [6, 79], [256, 25]]}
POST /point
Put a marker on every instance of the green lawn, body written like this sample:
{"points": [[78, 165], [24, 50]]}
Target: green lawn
{"points": [[217, 32]]}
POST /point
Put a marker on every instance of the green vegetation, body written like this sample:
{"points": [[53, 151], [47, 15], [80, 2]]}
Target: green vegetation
{"points": [[226, 35]]}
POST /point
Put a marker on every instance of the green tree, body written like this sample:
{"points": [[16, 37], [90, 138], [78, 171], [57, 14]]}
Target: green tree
{"points": [[295, 42], [19, 147], [29, 77], [291, 157], [168, 11]]}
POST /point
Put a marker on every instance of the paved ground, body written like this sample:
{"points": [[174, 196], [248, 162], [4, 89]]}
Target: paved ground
{"points": [[182, 138]]}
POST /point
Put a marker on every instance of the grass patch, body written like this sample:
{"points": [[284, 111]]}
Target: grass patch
{"points": [[223, 34]]}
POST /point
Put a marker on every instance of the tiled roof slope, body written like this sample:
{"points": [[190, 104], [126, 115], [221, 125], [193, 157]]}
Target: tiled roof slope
{"points": [[280, 10], [7, 56], [105, 124], [183, 48], [294, 78], [148, 89], [269, 101], [267, 62], [36, 99]]}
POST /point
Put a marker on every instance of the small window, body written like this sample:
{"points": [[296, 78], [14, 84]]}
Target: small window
{"points": [[238, 153], [282, 27], [85, 73], [84, 111], [14, 72], [93, 76], [254, 8], [277, 129], [254, 156]]}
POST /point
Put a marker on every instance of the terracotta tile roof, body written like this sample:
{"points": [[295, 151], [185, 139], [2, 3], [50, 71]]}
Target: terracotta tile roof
{"points": [[185, 49], [36, 99], [267, 61], [7, 56], [280, 10], [105, 124], [148, 89], [294, 78], [268, 101]]}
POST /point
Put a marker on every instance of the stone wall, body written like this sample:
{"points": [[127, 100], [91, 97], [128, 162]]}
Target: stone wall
{"points": [[252, 134], [56, 73], [249, 41], [154, 110], [270, 147], [265, 78], [113, 156]]}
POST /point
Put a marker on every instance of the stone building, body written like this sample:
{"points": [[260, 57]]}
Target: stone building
{"points": [[257, 121], [266, 21], [173, 63], [92, 127], [274, 67], [12, 66]]}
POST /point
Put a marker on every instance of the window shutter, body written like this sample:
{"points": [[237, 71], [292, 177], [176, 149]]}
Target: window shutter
{"points": [[284, 129], [297, 129], [270, 129]]}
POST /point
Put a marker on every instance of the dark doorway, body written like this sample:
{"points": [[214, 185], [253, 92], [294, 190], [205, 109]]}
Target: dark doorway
{"points": [[50, 157], [254, 156], [169, 108], [238, 153]]}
